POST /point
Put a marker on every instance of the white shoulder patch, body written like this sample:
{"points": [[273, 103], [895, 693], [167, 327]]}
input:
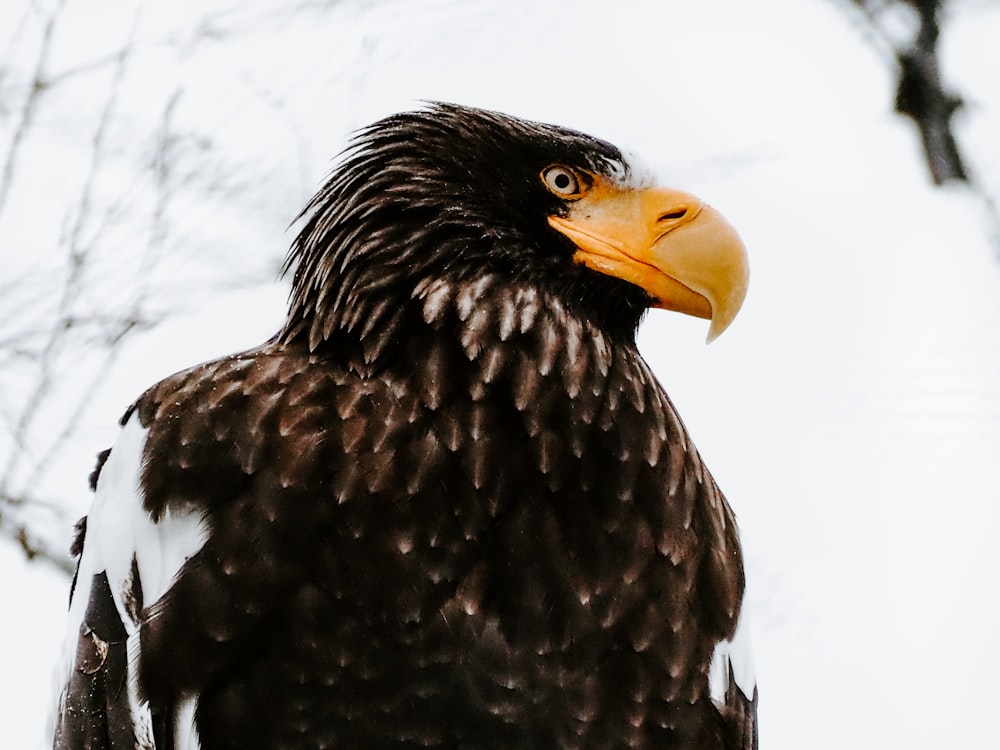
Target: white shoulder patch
{"points": [[733, 660], [124, 530], [119, 530]]}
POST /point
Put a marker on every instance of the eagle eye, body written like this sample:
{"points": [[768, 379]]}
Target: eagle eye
{"points": [[562, 181]]}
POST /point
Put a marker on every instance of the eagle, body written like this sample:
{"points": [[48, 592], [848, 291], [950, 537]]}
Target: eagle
{"points": [[447, 505]]}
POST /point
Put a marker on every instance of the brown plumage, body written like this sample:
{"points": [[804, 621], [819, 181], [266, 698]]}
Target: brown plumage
{"points": [[447, 506]]}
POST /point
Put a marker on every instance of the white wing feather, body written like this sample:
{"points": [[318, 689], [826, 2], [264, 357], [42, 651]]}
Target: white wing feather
{"points": [[733, 661], [119, 530]]}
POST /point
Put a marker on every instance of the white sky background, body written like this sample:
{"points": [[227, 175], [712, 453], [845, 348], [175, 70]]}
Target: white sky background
{"points": [[851, 414]]}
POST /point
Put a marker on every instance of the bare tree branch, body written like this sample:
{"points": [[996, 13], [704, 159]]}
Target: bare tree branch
{"points": [[921, 94], [58, 347], [34, 546], [38, 85], [78, 254], [60, 334]]}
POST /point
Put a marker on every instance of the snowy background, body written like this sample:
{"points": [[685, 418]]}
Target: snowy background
{"points": [[851, 413]]}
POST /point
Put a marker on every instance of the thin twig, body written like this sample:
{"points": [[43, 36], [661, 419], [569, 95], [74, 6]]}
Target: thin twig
{"points": [[34, 546], [38, 85], [59, 333]]}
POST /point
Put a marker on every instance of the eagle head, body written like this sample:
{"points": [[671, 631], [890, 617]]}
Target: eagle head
{"points": [[451, 192]]}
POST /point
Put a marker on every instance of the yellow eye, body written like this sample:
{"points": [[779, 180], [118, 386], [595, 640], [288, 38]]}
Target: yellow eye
{"points": [[562, 181]]}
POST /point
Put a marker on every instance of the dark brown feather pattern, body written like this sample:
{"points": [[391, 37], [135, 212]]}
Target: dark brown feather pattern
{"points": [[433, 568]]}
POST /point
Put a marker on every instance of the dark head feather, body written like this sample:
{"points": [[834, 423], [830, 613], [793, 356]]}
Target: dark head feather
{"points": [[452, 193]]}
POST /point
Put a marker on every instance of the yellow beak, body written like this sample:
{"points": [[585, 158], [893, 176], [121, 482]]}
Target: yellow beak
{"points": [[670, 243]]}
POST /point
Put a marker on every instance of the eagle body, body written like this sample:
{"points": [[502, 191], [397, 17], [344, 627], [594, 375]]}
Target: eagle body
{"points": [[447, 506]]}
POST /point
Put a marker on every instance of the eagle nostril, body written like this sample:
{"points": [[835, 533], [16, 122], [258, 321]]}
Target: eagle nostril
{"points": [[677, 213]]}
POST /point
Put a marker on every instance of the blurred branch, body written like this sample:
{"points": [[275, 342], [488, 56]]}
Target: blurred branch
{"points": [[921, 96], [133, 317], [36, 87], [77, 261], [907, 34], [920, 93], [94, 280], [33, 545], [60, 333]]}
